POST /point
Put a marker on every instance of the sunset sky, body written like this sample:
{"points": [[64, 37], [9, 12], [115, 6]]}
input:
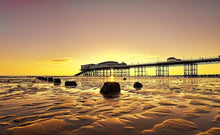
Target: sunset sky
{"points": [[55, 37]]}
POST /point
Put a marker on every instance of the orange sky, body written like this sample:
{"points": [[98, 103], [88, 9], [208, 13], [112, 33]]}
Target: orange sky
{"points": [[55, 37]]}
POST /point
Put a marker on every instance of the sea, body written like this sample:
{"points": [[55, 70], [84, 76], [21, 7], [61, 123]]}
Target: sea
{"points": [[164, 106]]}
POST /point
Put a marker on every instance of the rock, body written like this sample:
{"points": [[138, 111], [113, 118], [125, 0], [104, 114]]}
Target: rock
{"points": [[124, 79], [70, 83], [138, 85], [50, 79], [40, 78], [110, 89], [57, 81]]}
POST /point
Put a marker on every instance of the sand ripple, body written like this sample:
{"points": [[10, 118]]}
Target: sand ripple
{"points": [[148, 106], [173, 127], [111, 126], [46, 127], [62, 106], [212, 131], [198, 102], [161, 109], [166, 102], [217, 118], [199, 109]]}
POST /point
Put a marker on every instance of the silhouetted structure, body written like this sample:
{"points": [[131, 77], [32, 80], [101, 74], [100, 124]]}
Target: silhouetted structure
{"points": [[173, 59], [112, 68], [45, 78], [56, 81], [71, 83], [50, 79], [40, 78]]}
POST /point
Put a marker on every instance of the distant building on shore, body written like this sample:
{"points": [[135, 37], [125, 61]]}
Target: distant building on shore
{"points": [[106, 64]]}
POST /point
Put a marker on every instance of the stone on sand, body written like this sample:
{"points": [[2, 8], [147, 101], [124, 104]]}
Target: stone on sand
{"points": [[50, 79], [70, 83], [57, 81], [110, 89], [138, 85]]}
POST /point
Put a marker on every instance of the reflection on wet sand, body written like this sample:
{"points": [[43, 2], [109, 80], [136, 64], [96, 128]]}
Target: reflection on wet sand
{"points": [[183, 106]]}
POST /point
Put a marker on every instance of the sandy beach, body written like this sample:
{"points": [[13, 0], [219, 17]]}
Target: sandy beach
{"points": [[164, 106]]}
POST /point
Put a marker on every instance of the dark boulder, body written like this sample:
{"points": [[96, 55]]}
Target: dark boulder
{"points": [[50, 79], [138, 85], [110, 89], [40, 78], [57, 81], [71, 83]]}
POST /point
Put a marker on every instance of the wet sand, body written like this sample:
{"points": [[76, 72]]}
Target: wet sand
{"points": [[164, 106]]}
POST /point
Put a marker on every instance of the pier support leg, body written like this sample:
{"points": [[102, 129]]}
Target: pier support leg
{"points": [[162, 70], [145, 73], [191, 70], [138, 72], [158, 70], [129, 72], [142, 72], [135, 72], [167, 71], [121, 72]]}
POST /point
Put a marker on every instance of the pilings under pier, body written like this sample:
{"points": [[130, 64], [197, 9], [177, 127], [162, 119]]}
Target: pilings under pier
{"points": [[191, 70], [162, 70], [140, 71], [108, 72]]}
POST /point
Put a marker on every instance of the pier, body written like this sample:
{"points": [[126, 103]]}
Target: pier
{"points": [[112, 68]]}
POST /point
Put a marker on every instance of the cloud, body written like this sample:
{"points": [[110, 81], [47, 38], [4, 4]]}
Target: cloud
{"points": [[58, 61]]}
